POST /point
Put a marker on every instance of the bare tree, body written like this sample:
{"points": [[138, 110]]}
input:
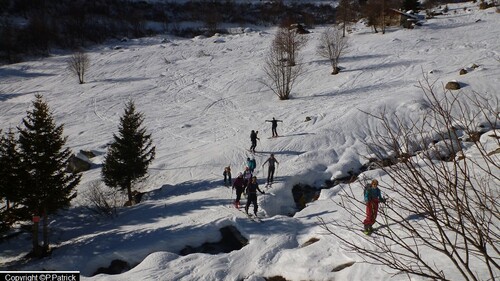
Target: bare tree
{"points": [[375, 12], [78, 64], [332, 46], [281, 67], [346, 13], [290, 42], [443, 204]]}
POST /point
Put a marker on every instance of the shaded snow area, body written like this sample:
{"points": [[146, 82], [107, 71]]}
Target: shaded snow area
{"points": [[201, 98]]}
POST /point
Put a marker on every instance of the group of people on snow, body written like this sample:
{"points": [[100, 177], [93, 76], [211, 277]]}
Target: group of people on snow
{"points": [[246, 182]]}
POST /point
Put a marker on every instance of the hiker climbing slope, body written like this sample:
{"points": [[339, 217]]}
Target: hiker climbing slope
{"points": [[271, 168], [253, 139]]}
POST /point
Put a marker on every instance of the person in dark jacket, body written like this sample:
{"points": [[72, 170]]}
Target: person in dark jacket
{"points": [[253, 139], [272, 167], [239, 185], [227, 175], [372, 197], [274, 126], [251, 191]]}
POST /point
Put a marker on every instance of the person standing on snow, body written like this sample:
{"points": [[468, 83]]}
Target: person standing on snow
{"points": [[274, 126], [372, 197], [272, 167], [253, 139], [251, 191], [227, 175], [248, 163], [239, 185], [247, 176], [252, 164]]}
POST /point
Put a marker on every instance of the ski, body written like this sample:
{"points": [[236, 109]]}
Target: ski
{"points": [[254, 218], [241, 209]]}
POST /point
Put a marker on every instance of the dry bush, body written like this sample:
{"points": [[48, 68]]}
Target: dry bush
{"points": [[78, 64], [101, 201], [446, 210]]}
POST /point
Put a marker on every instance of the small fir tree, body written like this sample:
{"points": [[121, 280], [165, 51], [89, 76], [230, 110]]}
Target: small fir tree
{"points": [[47, 186], [130, 154], [10, 173]]}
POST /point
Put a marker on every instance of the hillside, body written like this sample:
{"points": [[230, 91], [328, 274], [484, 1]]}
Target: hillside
{"points": [[201, 98]]}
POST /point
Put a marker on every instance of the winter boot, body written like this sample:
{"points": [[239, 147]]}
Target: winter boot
{"points": [[367, 229]]}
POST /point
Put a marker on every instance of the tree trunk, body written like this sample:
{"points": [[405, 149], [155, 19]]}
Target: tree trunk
{"points": [[129, 193], [36, 246], [45, 232]]}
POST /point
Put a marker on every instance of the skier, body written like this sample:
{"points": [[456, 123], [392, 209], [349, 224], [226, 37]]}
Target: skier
{"points": [[247, 176], [271, 168], [372, 198], [251, 191], [252, 164], [248, 163], [274, 125], [227, 175], [239, 185], [253, 139]]}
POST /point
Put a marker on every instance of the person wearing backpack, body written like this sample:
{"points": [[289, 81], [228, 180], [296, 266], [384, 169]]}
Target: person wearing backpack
{"points": [[227, 175], [239, 185], [247, 176], [252, 164], [253, 139], [372, 198]]}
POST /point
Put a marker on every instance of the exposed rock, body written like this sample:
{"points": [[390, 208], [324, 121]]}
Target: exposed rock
{"points": [[77, 165], [463, 71], [231, 240], [88, 154], [342, 266], [452, 85], [309, 242], [116, 267]]}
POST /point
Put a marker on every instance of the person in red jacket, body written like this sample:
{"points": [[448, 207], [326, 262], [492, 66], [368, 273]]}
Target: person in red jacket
{"points": [[239, 185]]}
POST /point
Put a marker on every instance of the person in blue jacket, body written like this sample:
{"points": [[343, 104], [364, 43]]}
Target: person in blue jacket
{"points": [[372, 197], [251, 164]]}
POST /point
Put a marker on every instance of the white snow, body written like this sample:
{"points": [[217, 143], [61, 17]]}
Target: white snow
{"points": [[201, 98]]}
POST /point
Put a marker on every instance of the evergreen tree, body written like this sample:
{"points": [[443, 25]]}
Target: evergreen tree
{"points": [[411, 5], [10, 173], [130, 154], [48, 186]]}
